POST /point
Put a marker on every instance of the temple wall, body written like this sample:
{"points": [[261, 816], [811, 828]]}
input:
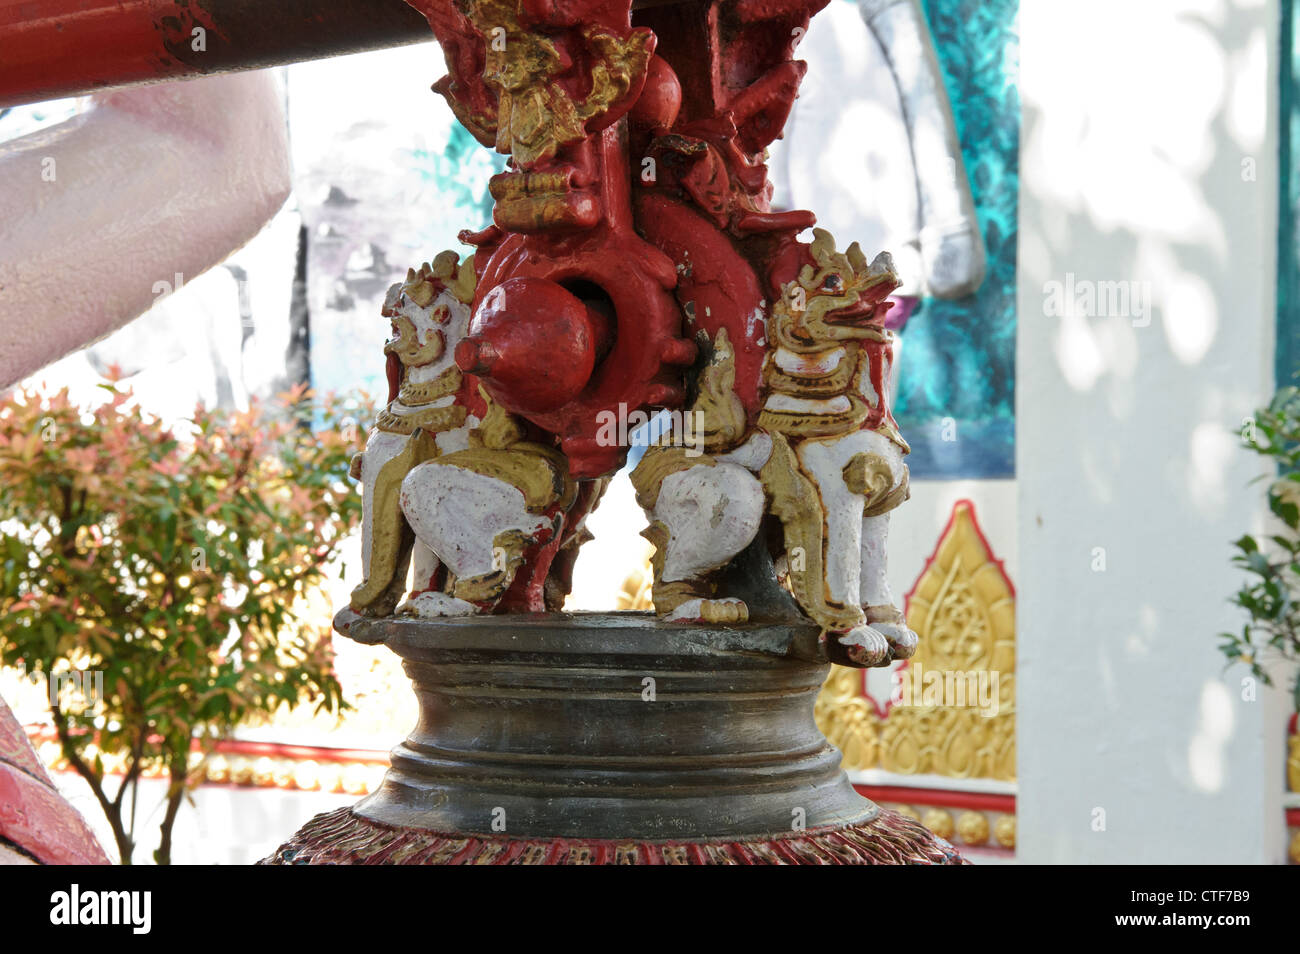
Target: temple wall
{"points": [[1148, 155]]}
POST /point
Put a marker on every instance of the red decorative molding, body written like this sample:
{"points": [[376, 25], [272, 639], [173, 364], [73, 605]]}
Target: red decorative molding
{"points": [[299, 752], [281, 750], [341, 837], [940, 797]]}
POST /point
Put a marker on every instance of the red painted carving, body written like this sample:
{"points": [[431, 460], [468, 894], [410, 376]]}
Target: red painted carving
{"points": [[636, 211], [35, 820], [632, 226], [343, 837]]}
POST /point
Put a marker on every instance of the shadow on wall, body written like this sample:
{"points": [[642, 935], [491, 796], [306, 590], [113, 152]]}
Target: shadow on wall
{"points": [[1145, 342]]}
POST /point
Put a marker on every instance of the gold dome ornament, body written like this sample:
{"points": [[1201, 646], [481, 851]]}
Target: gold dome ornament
{"points": [[241, 771], [1004, 831], [938, 821], [218, 770], [973, 828]]}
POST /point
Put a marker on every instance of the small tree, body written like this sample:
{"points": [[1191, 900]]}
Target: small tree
{"points": [[173, 564], [1272, 564]]}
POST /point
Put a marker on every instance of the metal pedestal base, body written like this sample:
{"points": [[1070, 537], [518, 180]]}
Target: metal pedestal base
{"points": [[610, 738]]}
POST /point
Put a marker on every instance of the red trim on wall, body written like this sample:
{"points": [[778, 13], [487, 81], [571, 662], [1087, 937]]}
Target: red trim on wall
{"points": [[300, 752], [937, 797], [246, 747]]}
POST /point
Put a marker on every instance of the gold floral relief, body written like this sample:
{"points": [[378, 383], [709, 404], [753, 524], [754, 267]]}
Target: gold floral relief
{"points": [[963, 609], [848, 718]]}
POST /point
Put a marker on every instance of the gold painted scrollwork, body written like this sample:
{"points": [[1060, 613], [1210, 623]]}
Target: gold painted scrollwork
{"points": [[535, 115]]}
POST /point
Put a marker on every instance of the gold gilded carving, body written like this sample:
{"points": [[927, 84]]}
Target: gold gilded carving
{"points": [[498, 428], [667, 595], [496, 450], [511, 544], [837, 382], [804, 424], [871, 476], [411, 415], [973, 828], [802, 321], [655, 466], [1004, 831], [1293, 764], [535, 471], [799, 318], [535, 115], [457, 276], [416, 395], [939, 821], [389, 547], [717, 409], [718, 421], [406, 342], [963, 608], [848, 718], [797, 504], [433, 419]]}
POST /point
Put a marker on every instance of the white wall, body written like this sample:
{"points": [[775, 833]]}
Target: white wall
{"points": [[1142, 125], [217, 825]]}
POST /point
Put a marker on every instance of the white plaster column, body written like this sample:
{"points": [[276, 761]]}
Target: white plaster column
{"points": [[1148, 158]]}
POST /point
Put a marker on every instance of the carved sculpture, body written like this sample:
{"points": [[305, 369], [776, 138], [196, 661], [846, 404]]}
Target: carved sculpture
{"points": [[823, 457], [450, 482], [634, 263], [634, 259]]}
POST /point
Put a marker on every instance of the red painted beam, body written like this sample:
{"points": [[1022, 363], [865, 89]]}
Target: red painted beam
{"points": [[53, 48]]}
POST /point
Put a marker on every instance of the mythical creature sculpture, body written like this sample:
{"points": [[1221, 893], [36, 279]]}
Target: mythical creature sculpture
{"points": [[824, 458], [450, 483], [635, 263]]}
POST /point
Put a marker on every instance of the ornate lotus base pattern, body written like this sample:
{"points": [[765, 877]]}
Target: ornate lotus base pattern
{"points": [[343, 837]]}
